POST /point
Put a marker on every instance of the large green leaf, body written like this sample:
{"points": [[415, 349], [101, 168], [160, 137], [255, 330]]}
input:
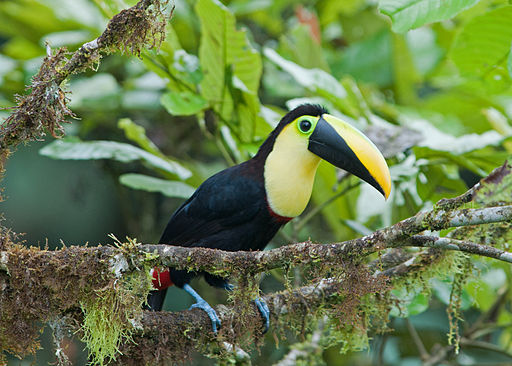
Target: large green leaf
{"points": [[231, 66], [482, 47], [152, 184], [73, 149], [409, 14]]}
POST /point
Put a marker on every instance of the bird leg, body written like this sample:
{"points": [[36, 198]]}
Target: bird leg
{"points": [[202, 304], [260, 304]]}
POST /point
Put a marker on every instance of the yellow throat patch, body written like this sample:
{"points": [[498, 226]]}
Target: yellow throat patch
{"points": [[290, 171]]}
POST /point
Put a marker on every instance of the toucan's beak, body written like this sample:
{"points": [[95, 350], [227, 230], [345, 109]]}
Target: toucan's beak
{"points": [[344, 146]]}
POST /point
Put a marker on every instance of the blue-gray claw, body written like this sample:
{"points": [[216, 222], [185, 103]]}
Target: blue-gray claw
{"points": [[265, 313], [212, 314], [201, 304]]}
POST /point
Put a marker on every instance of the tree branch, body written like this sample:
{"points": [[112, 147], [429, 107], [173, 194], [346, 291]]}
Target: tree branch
{"points": [[462, 246], [45, 107]]}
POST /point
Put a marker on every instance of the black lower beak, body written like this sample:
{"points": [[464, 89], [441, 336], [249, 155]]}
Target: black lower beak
{"points": [[327, 143]]}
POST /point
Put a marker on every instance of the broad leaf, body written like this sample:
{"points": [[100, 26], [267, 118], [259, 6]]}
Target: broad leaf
{"points": [[152, 184], [481, 49], [230, 65], [409, 14], [92, 150], [183, 103]]}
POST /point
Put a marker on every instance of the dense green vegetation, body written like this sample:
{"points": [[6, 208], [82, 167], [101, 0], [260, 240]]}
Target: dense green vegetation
{"points": [[429, 80]]}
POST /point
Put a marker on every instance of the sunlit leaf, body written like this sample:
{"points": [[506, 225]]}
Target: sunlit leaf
{"points": [[152, 184], [227, 58], [137, 134], [409, 14], [92, 150]]}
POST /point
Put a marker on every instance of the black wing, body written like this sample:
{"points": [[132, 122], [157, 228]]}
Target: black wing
{"points": [[225, 201]]}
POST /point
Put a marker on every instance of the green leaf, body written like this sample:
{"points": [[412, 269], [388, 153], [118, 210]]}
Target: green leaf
{"points": [[152, 184], [183, 103], [230, 65], [137, 134], [370, 60], [316, 80], [482, 47], [302, 48], [409, 14], [92, 150]]}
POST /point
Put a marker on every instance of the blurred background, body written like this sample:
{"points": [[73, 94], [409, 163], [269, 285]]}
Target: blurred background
{"points": [[436, 99]]}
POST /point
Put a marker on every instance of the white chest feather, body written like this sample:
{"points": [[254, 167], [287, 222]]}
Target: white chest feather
{"points": [[289, 174]]}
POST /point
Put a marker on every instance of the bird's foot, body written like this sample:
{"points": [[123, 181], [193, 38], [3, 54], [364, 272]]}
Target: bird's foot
{"points": [[212, 314], [265, 313]]}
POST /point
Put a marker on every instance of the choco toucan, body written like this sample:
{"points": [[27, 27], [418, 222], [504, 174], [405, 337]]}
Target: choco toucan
{"points": [[242, 207]]}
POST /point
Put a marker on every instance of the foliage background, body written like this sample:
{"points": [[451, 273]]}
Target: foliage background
{"points": [[150, 129]]}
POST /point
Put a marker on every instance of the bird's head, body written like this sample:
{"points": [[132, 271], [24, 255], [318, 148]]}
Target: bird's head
{"points": [[310, 133]]}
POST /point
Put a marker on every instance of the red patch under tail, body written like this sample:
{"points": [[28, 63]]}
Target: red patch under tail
{"points": [[161, 279]]}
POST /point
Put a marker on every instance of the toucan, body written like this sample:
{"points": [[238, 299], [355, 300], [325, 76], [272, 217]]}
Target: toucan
{"points": [[243, 207]]}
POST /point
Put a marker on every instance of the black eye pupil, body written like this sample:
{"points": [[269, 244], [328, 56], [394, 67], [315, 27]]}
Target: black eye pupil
{"points": [[305, 125]]}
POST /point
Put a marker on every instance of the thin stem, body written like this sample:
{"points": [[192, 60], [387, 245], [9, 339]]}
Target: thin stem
{"points": [[417, 340], [320, 207]]}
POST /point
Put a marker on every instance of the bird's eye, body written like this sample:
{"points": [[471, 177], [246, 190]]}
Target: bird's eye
{"points": [[305, 125]]}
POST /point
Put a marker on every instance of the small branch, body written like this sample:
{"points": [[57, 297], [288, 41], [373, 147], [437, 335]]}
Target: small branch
{"points": [[417, 340], [461, 246]]}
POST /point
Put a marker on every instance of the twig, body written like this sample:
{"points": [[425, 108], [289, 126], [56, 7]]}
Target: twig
{"points": [[417, 340], [461, 246]]}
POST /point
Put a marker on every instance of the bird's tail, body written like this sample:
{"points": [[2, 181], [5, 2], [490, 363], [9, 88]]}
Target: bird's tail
{"points": [[161, 281]]}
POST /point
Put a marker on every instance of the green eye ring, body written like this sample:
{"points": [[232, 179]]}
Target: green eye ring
{"points": [[306, 124]]}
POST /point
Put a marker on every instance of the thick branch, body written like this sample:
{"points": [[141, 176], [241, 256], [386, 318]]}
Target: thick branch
{"points": [[397, 235]]}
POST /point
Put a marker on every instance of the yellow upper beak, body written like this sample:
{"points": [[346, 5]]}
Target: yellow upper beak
{"points": [[346, 147]]}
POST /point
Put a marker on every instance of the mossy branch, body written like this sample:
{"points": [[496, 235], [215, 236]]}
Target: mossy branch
{"points": [[398, 235], [44, 108], [51, 284]]}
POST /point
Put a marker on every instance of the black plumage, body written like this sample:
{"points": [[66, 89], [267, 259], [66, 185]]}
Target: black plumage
{"points": [[229, 211]]}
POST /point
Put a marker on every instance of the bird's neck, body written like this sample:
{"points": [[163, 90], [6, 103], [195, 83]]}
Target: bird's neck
{"points": [[289, 173]]}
